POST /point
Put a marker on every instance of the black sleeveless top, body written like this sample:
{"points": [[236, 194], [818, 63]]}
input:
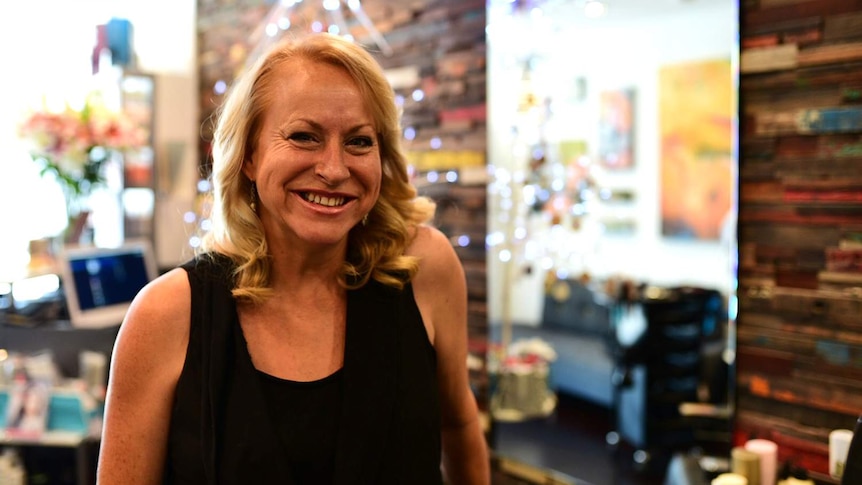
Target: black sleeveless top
{"points": [[222, 428], [305, 418]]}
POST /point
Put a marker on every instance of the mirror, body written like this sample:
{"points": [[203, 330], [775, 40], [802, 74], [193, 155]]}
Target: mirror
{"points": [[612, 134]]}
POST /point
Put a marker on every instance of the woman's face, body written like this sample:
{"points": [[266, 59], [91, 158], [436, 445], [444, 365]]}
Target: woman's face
{"points": [[316, 161]]}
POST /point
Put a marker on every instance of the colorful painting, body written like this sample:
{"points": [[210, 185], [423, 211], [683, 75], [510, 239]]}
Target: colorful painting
{"points": [[696, 112], [616, 120]]}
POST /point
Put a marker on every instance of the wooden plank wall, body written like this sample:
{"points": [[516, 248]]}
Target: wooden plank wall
{"points": [[799, 346], [438, 47]]}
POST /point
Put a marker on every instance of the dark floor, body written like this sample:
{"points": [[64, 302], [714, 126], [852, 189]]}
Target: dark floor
{"points": [[571, 442]]}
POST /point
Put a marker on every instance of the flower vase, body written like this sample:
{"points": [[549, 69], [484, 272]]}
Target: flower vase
{"points": [[78, 214], [77, 228]]}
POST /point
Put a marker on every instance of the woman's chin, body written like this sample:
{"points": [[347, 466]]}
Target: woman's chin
{"points": [[323, 236]]}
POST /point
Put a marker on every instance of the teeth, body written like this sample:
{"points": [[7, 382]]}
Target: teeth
{"points": [[327, 201]]}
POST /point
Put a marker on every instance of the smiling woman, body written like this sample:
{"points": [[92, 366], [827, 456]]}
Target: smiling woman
{"points": [[324, 347], [329, 158]]}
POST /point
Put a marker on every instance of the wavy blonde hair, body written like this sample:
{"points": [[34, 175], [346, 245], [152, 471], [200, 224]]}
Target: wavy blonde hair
{"points": [[375, 249]]}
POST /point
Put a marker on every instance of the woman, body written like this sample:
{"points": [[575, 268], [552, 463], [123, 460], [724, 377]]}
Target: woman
{"points": [[320, 337]]}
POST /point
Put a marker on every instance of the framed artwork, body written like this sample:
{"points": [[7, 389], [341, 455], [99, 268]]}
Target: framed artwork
{"points": [[696, 111], [616, 123]]}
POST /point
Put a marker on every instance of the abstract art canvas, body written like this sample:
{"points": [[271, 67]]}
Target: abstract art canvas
{"points": [[696, 110]]}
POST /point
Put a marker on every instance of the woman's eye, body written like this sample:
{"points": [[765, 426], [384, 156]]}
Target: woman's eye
{"points": [[361, 141], [301, 137]]}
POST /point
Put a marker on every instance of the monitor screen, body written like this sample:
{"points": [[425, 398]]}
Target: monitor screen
{"points": [[100, 283]]}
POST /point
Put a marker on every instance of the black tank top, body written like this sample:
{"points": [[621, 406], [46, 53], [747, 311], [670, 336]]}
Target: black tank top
{"points": [[305, 416], [387, 421]]}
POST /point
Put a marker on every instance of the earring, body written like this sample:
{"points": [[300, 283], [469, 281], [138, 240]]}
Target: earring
{"points": [[365, 220], [253, 197]]}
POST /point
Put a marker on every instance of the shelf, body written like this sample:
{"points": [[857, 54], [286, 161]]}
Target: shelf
{"points": [[63, 439]]}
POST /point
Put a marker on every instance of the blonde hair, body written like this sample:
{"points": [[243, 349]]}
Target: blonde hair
{"points": [[376, 248]]}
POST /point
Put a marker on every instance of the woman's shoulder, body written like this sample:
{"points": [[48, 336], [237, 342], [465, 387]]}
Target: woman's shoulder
{"points": [[157, 324], [170, 295], [425, 237], [428, 242], [437, 257], [165, 299]]}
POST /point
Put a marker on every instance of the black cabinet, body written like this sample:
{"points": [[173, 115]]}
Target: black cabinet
{"points": [[668, 365]]}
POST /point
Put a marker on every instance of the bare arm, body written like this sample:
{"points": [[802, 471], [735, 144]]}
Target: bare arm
{"points": [[146, 363], [441, 294]]}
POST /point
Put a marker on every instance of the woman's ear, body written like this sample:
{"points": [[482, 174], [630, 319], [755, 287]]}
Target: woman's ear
{"points": [[248, 168]]}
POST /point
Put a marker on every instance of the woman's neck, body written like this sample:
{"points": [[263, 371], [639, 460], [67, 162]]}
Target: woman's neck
{"points": [[295, 268]]}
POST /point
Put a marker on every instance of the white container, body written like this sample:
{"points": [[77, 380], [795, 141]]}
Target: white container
{"points": [[839, 445]]}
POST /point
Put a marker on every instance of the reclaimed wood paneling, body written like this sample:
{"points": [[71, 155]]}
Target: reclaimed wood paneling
{"points": [[799, 342]]}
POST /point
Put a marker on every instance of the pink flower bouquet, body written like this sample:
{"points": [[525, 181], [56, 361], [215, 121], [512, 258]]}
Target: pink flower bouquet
{"points": [[73, 144]]}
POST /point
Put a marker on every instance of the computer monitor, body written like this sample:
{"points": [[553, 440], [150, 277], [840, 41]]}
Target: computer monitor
{"points": [[99, 284]]}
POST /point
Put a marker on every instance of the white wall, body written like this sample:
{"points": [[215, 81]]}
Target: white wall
{"points": [[608, 54], [46, 47]]}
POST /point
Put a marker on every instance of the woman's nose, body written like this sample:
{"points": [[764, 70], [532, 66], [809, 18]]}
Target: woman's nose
{"points": [[331, 167]]}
